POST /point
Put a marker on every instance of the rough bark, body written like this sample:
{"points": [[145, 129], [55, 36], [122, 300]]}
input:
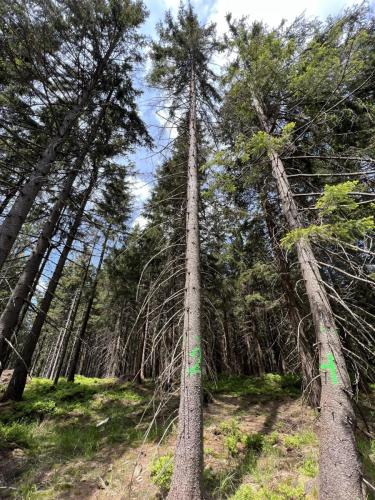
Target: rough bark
{"points": [[17, 383], [86, 317], [188, 461], [11, 313], [340, 470], [305, 348]]}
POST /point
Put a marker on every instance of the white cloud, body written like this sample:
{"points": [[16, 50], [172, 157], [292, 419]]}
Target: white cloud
{"points": [[167, 124], [273, 11], [141, 190], [269, 11], [140, 221]]}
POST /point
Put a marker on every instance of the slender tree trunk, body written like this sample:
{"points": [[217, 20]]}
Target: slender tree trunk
{"points": [[12, 310], [144, 345], [188, 462], [17, 215], [340, 470], [69, 325], [10, 194], [17, 383], [52, 359], [86, 317], [11, 313], [37, 357]]}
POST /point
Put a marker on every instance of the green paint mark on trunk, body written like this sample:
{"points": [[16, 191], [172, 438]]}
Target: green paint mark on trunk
{"points": [[331, 366], [196, 355]]}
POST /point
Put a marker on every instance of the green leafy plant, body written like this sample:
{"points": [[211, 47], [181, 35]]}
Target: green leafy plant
{"points": [[309, 467], [334, 198], [337, 196], [17, 433], [161, 470], [253, 441], [346, 231]]}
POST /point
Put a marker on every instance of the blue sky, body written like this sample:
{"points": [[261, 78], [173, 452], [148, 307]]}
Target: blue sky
{"points": [[269, 11]]}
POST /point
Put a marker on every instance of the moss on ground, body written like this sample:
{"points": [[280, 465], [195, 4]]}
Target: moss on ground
{"points": [[269, 385]]}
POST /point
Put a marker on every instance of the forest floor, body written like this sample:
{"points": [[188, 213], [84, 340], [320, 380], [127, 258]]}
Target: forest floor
{"points": [[87, 440]]}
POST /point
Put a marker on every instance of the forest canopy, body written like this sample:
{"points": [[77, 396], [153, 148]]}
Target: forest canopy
{"points": [[254, 260]]}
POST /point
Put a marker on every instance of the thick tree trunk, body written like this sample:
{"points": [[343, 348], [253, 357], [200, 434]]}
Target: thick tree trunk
{"points": [[25, 200], [86, 317], [188, 461], [16, 217], [17, 383], [340, 470]]}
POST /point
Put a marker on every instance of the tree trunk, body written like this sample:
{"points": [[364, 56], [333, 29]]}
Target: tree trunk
{"points": [[9, 195], [12, 310], [188, 461], [86, 317], [69, 325], [23, 312], [11, 313], [17, 215], [305, 348], [17, 383], [144, 344], [340, 470]]}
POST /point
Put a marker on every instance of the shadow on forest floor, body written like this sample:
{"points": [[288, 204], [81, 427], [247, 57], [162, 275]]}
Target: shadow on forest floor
{"points": [[259, 440]]}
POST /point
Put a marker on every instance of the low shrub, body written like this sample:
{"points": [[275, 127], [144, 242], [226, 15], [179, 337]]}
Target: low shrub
{"points": [[161, 471]]}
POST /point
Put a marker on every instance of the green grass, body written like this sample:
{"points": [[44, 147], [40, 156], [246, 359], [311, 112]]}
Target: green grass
{"points": [[269, 385], [366, 448], [57, 424], [309, 467], [161, 470], [283, 491], [17, 433], [300, 439]]}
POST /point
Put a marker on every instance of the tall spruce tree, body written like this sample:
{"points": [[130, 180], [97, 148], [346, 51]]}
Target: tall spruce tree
{"points": [[93, 42], [181, 60], [277, 77]]}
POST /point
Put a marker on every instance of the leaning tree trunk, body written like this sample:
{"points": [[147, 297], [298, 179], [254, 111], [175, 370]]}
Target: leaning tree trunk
{"points": [[16, 217], [305, 348], [11, 313], [10, 194], [17, 383], [86, 317], [340, 469], [188, 461], [70, 322], [8, 348]]}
